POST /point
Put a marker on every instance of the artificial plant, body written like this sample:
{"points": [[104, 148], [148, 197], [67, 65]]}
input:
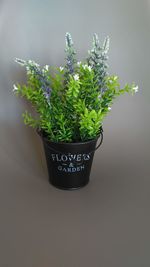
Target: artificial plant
{"points": [[71, 101]]}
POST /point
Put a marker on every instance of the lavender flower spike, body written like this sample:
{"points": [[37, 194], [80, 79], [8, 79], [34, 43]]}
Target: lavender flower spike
{"points": [[70, 56], [34, 69], [95, 41], [106, 45], [20, 61], [97, 60], [69, 42]]}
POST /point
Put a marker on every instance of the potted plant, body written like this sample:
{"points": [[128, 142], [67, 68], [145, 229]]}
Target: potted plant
{"points": [[71, 103]]}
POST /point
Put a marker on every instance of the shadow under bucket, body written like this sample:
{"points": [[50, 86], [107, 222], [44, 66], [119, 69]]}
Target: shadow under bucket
{"points": [[69, 164]]}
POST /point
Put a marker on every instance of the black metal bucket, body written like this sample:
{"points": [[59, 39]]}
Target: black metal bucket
{"points": [[69, 164]]}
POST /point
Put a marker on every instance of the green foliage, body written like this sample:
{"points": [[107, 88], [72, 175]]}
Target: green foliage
{"points": [[90, 123], [89, 91], [71, 103], [113, 90]]}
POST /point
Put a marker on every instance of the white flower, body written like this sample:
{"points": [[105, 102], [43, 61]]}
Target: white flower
{"points": [[89, 68], [135, 89], [28, 70], [85, 66], [76, 77], [46, 67], [109, 108], [61, 68], [79, 63], [33, 63], [15, 88]]}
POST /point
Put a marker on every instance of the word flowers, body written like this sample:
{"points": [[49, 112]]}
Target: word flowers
{"points": [[70, 162]]}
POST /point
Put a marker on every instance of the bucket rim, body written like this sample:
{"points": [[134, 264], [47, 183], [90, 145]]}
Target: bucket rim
{"points": [[39, 131]]}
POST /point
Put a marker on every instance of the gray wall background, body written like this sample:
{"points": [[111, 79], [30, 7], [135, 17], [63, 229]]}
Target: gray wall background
{"points": [[106, 223]]}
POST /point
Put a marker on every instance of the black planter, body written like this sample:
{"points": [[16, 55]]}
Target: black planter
{"points": [[69, 164]]}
